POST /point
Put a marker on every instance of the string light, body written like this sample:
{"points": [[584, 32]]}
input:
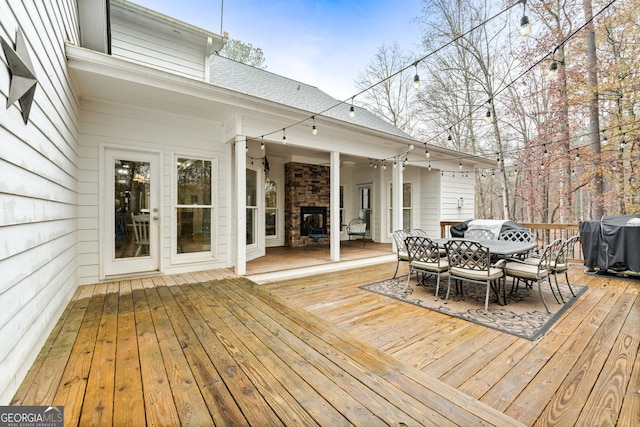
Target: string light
{"points": [[487, 118], [314, 129], [525, 30], [262, 143], [429, 168], [416, 78], [426, 151], [460, 165], [553, 71], [284, 135], [525, 26]]}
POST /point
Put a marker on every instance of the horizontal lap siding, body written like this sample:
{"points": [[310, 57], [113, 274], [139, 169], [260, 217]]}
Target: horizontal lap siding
{"points": [[429, 202], [156, 50], [38, 189], [129, 127], [453, 186]]}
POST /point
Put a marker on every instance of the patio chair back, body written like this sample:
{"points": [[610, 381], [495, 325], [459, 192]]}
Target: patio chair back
{"points": [[514, 235], [479, 234], [418, 232]]}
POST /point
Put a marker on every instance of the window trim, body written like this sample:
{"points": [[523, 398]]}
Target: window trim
{"points": [[194, 257]]}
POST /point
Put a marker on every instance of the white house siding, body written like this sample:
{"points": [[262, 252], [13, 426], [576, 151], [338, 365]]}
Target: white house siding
{"points": [[118, 125], [167, 52], [38, 189], [454, 186], [428, 202]]}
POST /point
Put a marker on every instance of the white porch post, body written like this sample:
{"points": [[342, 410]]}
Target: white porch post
{"points": [[397, 181], [241, 204], [335, 206]]}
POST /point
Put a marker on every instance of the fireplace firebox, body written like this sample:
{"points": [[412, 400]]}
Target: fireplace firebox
{"points": [[312, 217]]}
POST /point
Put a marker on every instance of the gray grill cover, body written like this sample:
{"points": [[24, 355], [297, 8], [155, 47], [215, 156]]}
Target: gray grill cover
{"points": [[613, 243]]}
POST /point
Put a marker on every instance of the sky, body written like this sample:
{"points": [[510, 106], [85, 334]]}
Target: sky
{"points": [[324, 43]]}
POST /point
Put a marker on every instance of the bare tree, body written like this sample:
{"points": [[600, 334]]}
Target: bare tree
{"points": [[392, 93]]}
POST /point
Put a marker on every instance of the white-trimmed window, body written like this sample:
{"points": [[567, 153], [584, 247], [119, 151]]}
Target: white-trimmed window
{"points": [[407, 209], [194, 205]]}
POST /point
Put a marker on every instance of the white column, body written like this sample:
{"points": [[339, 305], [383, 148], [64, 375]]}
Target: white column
{"points": [[334, 232], [241, 204], [397, 181]]}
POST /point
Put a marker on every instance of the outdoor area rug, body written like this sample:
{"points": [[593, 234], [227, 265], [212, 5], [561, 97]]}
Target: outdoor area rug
{"points": [[523, 316]]}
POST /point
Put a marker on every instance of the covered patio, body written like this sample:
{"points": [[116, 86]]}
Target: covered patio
{"points": [[209, 347]]}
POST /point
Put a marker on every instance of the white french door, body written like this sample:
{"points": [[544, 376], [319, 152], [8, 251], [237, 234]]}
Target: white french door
{"points": [[131, 212]]}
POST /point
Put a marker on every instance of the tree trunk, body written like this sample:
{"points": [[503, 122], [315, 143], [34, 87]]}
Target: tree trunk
{"points": [[594, 111]]}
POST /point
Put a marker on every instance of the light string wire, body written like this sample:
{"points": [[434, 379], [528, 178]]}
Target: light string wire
{"points": [[473, 111], [573, 149], [414, 63], [520, 76]]}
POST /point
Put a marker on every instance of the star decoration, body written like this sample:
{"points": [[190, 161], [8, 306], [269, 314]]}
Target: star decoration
{"points": [[23, 79]]}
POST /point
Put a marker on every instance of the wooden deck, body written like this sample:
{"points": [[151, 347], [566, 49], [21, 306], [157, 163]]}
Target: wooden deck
{"points": [[213, 349]]}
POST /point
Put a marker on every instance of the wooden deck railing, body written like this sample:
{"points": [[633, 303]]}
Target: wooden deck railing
{"points": [[546, 233]]}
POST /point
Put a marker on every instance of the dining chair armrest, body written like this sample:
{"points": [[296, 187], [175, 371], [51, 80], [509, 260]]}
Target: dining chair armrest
{"points": [[498, 264]]}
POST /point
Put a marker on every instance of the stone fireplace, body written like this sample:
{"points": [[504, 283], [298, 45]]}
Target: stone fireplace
{"points": [[307, 196]]}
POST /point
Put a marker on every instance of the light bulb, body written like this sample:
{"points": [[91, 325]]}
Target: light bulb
{"points": [[314, 130], [488, 116], [525, 26], [553, 71], [416, 82]]}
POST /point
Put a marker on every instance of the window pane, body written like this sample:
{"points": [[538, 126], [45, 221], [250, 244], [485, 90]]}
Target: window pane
{"points": [[271, 194], [251, 234], [365, 201], [252, 187], [194, 230], [194, 182], [270, 222], [406, 195], [406, 219]]}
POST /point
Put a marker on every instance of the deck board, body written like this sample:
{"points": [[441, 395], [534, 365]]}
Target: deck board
{"points": [[209, 348]]}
